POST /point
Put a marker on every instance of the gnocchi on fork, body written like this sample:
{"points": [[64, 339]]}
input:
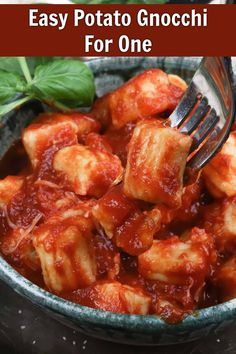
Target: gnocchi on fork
{"points": [[207, 110]]}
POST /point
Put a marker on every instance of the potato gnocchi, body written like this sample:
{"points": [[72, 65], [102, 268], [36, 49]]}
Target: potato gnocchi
{"points": [[104, 214]]}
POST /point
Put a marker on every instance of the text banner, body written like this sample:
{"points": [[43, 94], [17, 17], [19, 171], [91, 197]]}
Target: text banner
{"points": [[117, 30]]}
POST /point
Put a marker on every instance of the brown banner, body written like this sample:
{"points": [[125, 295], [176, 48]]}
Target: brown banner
{"points": [[210, 33]]}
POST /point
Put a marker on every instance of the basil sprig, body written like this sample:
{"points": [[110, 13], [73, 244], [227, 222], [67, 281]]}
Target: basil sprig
{"points": [[62, 83]]}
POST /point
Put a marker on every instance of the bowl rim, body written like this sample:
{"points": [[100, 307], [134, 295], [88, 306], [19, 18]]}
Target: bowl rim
{"points": [[150, 324], [145, 324]]}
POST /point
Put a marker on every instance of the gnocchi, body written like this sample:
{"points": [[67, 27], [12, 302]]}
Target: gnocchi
{"points": [[173, 261], [116, 297], [9, 186], [156, 162], [64, 247], [87, 171], [104, 214], [55, 131], [225, 279], [221, 182]]}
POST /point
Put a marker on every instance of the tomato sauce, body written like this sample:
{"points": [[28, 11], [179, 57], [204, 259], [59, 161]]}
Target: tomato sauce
{"points": [[33, 199], [119, 231]]}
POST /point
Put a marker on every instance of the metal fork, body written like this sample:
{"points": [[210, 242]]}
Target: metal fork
{"points": [[207, 110]]}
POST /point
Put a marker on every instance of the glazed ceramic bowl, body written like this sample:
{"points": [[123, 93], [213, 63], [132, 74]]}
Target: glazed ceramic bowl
{"points": [[129, 329]]}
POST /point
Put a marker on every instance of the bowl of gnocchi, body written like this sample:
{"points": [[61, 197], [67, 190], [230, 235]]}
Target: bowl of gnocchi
{"points": [[99, 224]]}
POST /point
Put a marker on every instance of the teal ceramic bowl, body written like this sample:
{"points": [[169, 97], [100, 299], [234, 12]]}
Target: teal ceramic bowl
{"points": [[129, 329]]}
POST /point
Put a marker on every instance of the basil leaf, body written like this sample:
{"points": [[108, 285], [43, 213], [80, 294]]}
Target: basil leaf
{"points": [[6, 108], [10, 85], [12, 64], [69, 82], [33, 62]]}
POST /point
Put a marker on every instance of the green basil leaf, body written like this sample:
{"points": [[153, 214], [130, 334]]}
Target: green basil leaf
{"points": [[69, 82], [33, 62], [6, 108], [10, 85], [12, 65]]}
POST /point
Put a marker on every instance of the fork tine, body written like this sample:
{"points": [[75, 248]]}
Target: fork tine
{"points": [[207, 110], [187, 103], [196, 117], [205, 129], [207, 151]]}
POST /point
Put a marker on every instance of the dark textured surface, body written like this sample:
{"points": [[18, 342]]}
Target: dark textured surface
{"points": [[25, 329]]}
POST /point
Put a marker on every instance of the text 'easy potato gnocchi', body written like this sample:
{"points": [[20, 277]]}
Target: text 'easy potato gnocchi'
{"points": [[102, 213]]}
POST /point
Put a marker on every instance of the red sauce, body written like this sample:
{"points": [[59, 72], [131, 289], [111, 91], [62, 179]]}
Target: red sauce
{"points": [[119, 139], [38, 198], [116, 257], [105, 252]]}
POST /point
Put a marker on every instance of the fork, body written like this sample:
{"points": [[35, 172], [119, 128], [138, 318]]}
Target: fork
{"points": [[207, 110]]}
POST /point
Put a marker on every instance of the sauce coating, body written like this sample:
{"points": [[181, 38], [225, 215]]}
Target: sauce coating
{"points": [[96, 208]]}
